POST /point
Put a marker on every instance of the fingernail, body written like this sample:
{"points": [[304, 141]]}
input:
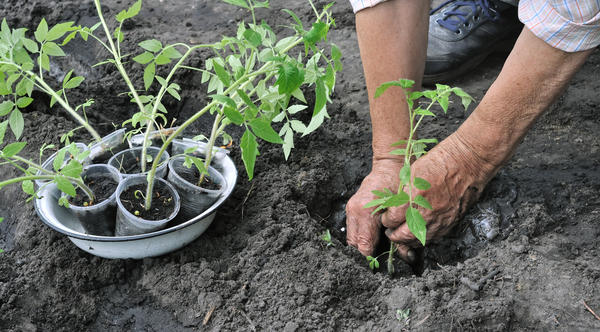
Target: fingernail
{"points": [[411, 256]]}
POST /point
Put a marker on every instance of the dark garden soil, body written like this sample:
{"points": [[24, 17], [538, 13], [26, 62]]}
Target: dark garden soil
{"points": [[194, 176], [163, 203], [524, 258], [101, 185], [131, 166]]}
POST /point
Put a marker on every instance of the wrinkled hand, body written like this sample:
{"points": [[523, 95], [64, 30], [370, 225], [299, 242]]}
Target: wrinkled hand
{"points": [[362, 227], [457, 176]]}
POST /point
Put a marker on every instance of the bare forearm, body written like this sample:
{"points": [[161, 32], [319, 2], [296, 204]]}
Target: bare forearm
{"points": [[393, 39], [533, 77]]}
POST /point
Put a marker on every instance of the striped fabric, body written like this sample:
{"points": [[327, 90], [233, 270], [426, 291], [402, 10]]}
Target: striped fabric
{"points": [[569, 25]]}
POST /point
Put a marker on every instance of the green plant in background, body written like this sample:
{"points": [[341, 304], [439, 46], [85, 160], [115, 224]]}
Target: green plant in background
{"points": [[254, 80], [20, 74], [412, 149], [327, 238], [403, 316]]}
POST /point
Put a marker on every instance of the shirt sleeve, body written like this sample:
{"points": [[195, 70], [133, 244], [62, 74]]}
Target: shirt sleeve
{"points": [[362, 4], [568, 25]]}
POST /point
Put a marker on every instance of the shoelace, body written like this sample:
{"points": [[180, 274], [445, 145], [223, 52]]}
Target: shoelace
{"points": [[461, 16]]}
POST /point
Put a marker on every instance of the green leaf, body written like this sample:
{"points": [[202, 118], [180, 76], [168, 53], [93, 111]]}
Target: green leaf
{"points": [[58, 31], [427, 141], [320, 96], [144, 58], [151, 45], [398, 152], [396, 200], [16, 123], [247, 101], [252, 37], [295, 17], [239, 3], [420, 111], [224, 100], [41, 31], [416, 224], [65, 186], [3, 126], [443, 101], [288, 143], [233, 115], [421, 184], [30, 45], [262, 129], [171, 53], [222, 74], [466, 99], [149, 72], [336, 55], [298, 126], [162, 59], [45, 62], [24, 102], [317, 33], [423, 202], [249, 152], [296, 108], [52, 49], [72, 169], [12, 149], [28, 187], [174, 93], [383, 88], [289, 79], [6, 107], [74, 82], [405, 174]]}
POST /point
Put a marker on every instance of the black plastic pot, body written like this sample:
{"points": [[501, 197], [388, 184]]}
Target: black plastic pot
{"points": [[98, 219], [194, 199], [129, 224], [127, 159]]}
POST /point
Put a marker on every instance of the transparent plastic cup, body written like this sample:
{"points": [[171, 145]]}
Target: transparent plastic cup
{"points": [[98, 219], [128, 159], [129, 224], [194, 199], [110, 145]]}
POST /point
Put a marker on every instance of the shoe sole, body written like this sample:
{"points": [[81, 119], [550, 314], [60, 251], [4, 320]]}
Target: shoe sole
{"points": [[501, 47]]}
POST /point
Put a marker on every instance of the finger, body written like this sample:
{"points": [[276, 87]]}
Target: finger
{"points": [[406, 253], [394, 217], [402, 235], [363, 233]]}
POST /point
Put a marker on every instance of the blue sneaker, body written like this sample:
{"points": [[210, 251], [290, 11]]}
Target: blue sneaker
{"points": [[462, 33]]}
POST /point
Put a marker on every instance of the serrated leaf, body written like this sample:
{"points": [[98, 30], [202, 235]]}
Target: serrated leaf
{"points": [[58, 31], [249, 152], [59, 160], [444, 102], [224, 100], [41, 31], [239, 3], [416, 224], [396, 200], [298, 94], [262, 129], [162, 59], [174, 93], [233, 115], [315, 122], [16, 123], [423, 202], [222, 74], [421, 184], [289, 78], [298, 126], [405, 174], [288, 143], [296, 108], [375, 202], [72, 169], [171, 53], [74, 82], [65, 186], [420, 111], [149, 73], [30, 45], [6, 107], [383, 88], [151, 45], [317, 33], [45, 62], [144, 58], [28, 187], [3, 127], [247, 101], [24, 102], [52, 49], [12, 149], [252, 37]]}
